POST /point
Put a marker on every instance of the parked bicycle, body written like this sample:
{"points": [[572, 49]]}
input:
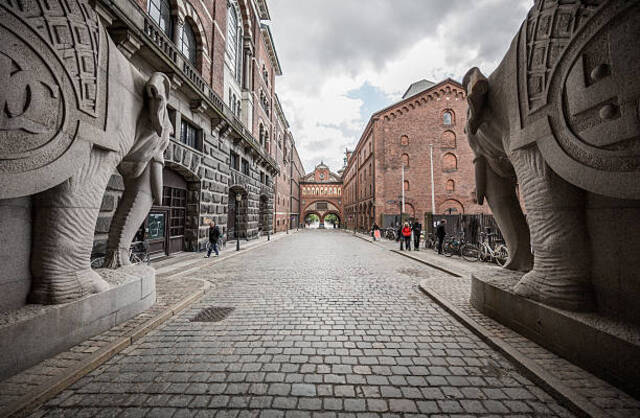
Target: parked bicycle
{"points": [[138, 254], [453, 244], [391, 234], [488, 251], [431, 242]]}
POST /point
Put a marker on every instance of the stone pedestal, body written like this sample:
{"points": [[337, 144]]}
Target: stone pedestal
{"points": [[33, 333], [607, 348]]}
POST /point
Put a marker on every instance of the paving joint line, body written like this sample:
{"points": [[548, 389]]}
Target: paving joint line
{"points": [[56, 384], [547, 381]]}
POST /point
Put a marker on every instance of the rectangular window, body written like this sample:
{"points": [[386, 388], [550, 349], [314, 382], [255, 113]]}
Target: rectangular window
{"points": [[234, 160], [261, 177], [189, 135], [266, 179], [245, 167]]}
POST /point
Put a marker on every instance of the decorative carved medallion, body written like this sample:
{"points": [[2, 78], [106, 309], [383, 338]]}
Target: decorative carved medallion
{"points": [[587, 122], [50, 81]]}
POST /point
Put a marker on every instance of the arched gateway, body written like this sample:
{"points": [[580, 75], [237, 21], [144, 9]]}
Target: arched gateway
{"points": [[321, 194]]}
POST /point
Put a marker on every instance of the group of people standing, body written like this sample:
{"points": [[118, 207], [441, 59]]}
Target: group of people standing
{"points": [[414, 229]]}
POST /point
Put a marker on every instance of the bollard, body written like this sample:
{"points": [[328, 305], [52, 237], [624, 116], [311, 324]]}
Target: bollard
{"points": [[268, 236], [237, 243], [287, 230]]}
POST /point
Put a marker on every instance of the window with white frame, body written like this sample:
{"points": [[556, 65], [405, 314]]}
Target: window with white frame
{"points": [[188, 43], [233, 40], [160, 12]]}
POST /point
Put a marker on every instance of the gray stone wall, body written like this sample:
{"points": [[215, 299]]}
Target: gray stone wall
{"points": [[15, 242]]}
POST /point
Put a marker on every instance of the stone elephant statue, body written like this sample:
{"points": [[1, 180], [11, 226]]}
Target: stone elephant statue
{"points": [[559, 119], [75, 111]]}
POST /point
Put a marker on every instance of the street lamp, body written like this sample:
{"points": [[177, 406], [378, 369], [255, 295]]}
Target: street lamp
{"points": [[235, 223]]}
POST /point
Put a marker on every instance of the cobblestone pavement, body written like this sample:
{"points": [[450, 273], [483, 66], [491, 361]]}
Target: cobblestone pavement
{"points": [[169, 291], [457, 290], [324, 325]]}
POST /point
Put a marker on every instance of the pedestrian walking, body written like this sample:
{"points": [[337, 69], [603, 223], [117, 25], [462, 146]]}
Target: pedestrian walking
{"points": [[214, 236], [375, 231], [440, 233], [406, 237], [417, 230]]}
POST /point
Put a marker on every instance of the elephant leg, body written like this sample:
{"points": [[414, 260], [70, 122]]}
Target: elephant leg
{"points": [[556, 216], [131, 213], [64, 224], [503, 201]]}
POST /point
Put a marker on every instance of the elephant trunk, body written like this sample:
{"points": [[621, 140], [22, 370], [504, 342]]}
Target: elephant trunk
{"points": [[131, 213], [503, 201]]}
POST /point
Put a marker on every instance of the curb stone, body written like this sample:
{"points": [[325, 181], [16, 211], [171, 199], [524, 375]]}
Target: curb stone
{"points": [[56, 384], [552, 385]]}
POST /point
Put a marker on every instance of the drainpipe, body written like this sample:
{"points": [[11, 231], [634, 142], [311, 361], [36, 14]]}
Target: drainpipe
{"points": [[433, 197]]}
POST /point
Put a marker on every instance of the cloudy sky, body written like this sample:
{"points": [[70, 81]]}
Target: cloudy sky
{"points": [[346, 59]]}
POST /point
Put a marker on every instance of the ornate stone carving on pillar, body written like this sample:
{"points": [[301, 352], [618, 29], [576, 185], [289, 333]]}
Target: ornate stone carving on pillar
{"points": [[561, 118], [61, 139]]}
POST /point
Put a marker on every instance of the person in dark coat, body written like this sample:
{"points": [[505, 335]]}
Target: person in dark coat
{"points": [[214, 236], [440, 234], [417, 230]]}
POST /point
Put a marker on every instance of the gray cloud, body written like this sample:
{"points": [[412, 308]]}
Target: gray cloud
{"points": [[321, 41]]}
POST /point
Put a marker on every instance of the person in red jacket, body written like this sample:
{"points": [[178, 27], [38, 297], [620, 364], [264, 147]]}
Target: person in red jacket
{"points": [[406, 237]]}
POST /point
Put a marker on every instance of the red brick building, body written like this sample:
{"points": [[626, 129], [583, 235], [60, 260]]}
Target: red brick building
{"points": [[426, 125], [321, 194]]}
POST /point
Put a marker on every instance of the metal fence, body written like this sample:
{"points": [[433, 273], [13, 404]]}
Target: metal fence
{"points": [[471, 225]]}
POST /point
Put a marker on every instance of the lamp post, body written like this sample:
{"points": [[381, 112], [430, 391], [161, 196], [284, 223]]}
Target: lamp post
{"points": [[235, 223]]}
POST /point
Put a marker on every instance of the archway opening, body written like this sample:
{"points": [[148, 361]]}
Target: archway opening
{"points": [[332, 220], [312, 220], [238, 219]]}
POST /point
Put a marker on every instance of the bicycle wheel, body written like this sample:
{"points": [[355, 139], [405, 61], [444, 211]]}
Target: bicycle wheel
{"points": [[448, 249], [501, 255], [97, 262], [135, 258], [470, 252]]}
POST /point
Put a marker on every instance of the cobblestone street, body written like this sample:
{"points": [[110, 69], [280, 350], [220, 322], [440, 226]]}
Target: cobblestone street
{"points": [[323, 324]]}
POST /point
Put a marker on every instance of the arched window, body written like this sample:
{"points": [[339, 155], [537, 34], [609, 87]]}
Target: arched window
{"points": [[188, 43], [451, 186], [160, 12], [447, 118], [448, 139], [233, 39], [404, 140], [406, 186], [261, 135], [449, 162], [405, 160]]}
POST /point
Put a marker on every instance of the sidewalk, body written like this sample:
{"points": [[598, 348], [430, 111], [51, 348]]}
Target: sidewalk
{"points": [[174, 292], [584, 391]]}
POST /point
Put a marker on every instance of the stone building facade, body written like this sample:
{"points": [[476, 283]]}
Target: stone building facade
{"points": [[222, 163], [426, 125]]}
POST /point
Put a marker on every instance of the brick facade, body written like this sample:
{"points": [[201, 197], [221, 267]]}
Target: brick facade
{"points": [[405, 134], [321, 194]]}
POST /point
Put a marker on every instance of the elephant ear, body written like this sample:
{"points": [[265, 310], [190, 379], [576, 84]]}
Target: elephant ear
{"points": [[157, 90], [477, 87]]}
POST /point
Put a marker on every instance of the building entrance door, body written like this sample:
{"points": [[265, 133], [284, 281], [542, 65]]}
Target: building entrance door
{"points": [[156, 229]]}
